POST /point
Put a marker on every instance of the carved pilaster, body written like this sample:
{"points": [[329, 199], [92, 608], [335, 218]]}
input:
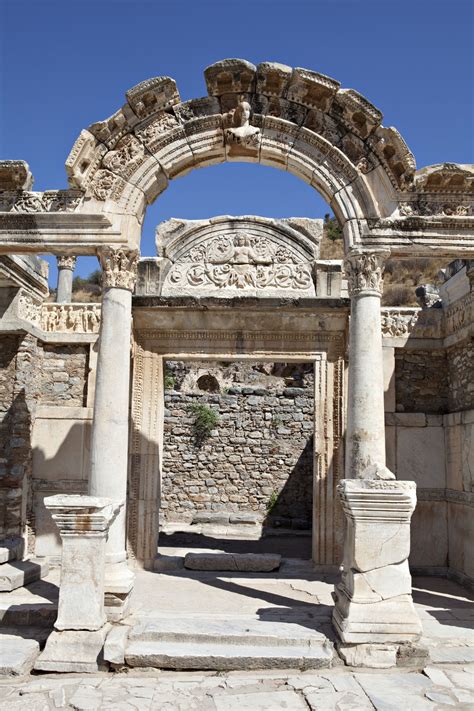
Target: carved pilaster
{"points": [[66, 261], [119, 268], [364, 272]]}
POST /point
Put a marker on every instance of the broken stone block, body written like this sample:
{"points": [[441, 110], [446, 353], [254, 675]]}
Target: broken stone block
{"points": [[245, 562], [373, 656]]}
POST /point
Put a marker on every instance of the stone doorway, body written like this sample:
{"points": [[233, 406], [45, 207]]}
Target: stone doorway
{"points": [[150, 478], [238, 457]]}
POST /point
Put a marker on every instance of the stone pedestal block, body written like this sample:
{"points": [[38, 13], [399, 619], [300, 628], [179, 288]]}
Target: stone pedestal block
{"points": [[83, 523], [373, 599]]}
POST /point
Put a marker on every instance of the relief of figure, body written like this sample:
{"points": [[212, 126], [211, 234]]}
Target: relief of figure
{"points": [[241, 132], [94, 319]]}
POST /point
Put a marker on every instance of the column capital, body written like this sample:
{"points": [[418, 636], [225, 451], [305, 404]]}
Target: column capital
{"points": [[83, 516], [119, 267], [66, 261], [364, 271]]}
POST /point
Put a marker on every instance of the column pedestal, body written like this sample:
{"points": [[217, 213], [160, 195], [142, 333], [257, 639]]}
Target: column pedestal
{"points": [[373, 599], [77, 642]]}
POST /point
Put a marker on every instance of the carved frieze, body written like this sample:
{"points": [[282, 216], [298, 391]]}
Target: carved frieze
{"points": [[398, 323], [29, 308], [49, 201], [119, 268], [450, 209], [364, 272], [71, 318], [241, 261]]}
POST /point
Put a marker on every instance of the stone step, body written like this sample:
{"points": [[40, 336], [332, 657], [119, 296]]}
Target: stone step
{"points": [[225, 657], [242, 562], [223, 644], [235, 631], [11, 549], [21, 572]]}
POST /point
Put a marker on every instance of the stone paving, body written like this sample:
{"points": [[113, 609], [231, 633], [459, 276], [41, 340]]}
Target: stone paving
{"points": [[440, 687]]}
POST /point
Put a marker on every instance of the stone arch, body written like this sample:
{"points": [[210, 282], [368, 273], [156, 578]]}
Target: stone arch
{"points": [[293, 119]]}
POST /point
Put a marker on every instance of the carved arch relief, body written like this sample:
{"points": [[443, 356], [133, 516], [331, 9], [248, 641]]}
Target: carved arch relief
{"points": [[294, 119]]}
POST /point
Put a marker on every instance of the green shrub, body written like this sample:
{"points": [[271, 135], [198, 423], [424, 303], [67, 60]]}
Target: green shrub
{"points": [[205, 420]]}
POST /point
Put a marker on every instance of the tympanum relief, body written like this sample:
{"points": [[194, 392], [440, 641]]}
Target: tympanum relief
{"points": [[240, 262]]}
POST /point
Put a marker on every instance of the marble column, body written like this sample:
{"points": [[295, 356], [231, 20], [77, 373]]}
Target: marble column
{"points": [[110, 427], [77, 641], [365, 435], [66, 265], [374, 614]]}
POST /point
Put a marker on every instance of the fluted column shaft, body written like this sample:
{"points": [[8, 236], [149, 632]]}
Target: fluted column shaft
{"points": [[365, 438]]}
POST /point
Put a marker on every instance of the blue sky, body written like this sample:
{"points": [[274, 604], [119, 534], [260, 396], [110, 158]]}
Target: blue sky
{"points": [[65, 64]]}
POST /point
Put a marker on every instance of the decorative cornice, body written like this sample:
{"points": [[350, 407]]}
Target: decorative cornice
{"points": [[364, 272], [119, 268], [66, 261]]}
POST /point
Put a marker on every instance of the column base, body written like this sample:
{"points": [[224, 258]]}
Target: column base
{"points": [[74, 651], [119, 581], [391, 621]]}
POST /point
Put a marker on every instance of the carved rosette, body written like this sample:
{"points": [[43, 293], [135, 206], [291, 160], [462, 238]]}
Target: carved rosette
{"points": [[364, 272], [119, 268], [66, 261]]}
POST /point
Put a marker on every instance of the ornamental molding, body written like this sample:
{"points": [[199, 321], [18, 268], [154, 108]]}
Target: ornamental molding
{"points": [[119, 268], [364, 271], [398, 323]]}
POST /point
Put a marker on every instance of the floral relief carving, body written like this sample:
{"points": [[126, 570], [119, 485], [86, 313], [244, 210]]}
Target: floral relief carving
{"points": [[432, 208], [364, 272], [71, 318], [119, 268], [50, 201], [103, 184], [241, 261]]}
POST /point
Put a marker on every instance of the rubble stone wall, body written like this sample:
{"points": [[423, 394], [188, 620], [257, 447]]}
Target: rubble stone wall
{"points": [[421, 381], [258, 458], [64, 375]]}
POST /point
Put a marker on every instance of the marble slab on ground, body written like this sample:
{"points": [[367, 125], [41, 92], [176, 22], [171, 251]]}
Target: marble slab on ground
{"points": [[17, 655]]}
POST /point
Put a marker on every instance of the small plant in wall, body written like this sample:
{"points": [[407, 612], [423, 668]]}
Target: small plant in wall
{"points": [[272, 501], [205, 420]]}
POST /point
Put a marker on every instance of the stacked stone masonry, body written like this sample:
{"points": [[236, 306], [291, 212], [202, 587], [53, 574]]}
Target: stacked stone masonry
{"points": [[421, 378], [64, 375], [258, 458]]}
